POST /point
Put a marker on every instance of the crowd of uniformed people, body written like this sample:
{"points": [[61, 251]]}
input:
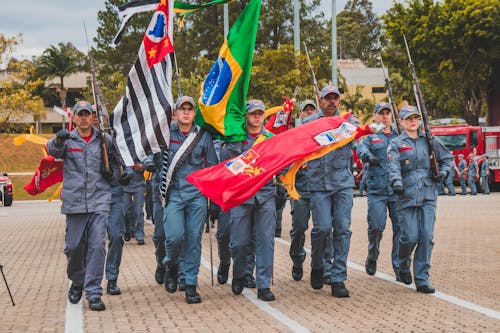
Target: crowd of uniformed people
{"points": [[398, 180]]}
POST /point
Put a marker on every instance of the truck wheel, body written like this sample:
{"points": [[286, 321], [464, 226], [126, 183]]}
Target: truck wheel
{"points": [[7, 200]]}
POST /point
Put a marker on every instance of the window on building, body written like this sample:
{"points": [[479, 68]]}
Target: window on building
{"points": [[378, 90]]}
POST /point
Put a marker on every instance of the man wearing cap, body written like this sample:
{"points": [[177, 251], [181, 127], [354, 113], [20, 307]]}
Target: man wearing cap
{"points": [[373, 152], [330, 183], [415, 188], [301, 212], [256, 216], [484, 173], [185, 210], [86, 197], [472, 174], [462, 172]]}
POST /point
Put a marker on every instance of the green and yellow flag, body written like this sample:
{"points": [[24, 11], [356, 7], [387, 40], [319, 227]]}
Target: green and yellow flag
{"points": [[224, 92]]}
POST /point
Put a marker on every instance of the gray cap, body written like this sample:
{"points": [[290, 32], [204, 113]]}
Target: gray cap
{"points": [[382, 106], [184, 99], [329, 90], [306, 103], [81, 106], [407, 111], [254, 105]]}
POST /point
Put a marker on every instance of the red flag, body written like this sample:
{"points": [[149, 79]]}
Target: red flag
{"points": [[156, 41], [48, 173], [280, 121], [233, 181]]}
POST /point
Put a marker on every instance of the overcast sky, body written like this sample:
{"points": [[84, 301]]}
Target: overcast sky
{"points": [[49, 22]]}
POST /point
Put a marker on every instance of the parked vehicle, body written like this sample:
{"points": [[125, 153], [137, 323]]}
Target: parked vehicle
{"points": [[465, 139], [6, 190]]}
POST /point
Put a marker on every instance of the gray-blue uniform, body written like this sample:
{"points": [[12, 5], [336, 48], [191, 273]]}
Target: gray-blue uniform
{"points": [[449, 180], [462, 165], [380, 196], [330, 183], [186, 208], [259, 213], [409, 167], [484, 175], [135, 189], [116, 230], [471, 175], [86, 199]]}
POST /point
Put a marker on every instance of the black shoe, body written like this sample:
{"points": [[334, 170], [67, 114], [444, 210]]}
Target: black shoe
{"points": [[181, 284], [327, 280], [112, 288], [297, 273], [339, 290], [317, 278], [192, 295], [265, 294], [126, 236], [237, 285], [405, 277], [96, 304], [75, 293], [160, 274], [370, 266], [140, 242], [398, 278], [277, 233], [250, 281], [426, 290], [171, 278], [222, 273]]}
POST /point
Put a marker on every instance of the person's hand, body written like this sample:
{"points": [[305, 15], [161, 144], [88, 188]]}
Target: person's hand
{"points": [[126, 176], [62, 135], [106, 173], [374, 161], [150, 166], [439, 178], [398, 189]]}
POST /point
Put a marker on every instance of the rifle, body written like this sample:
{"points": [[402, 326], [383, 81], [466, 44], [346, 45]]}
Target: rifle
{"points": [[315, 82], [423, 113], [96, 93], [391, 97]]}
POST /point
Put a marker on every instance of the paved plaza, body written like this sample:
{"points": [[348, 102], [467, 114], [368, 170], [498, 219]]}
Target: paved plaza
{"points": [[465, 272]]}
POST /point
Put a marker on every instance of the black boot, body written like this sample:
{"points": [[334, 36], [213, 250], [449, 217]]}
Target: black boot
{"points": [[223, 273], [317, 278], [171, 278], [160, 274], [192, 295], [265, 294], [75, 293], [249, 281], [160, 254], [181, 284], [112, 288], [237, 285]]}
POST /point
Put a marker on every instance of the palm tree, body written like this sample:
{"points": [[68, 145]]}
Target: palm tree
{"points": [[60, 62]]}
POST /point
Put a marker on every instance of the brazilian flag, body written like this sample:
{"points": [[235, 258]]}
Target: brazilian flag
{"points": [[224, 92]]}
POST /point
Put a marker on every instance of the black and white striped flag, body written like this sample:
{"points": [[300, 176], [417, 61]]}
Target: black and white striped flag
{"points": [[141, 119], [129, 9]]}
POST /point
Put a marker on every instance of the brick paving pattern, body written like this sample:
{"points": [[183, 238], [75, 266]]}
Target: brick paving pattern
{"points": [[465, 264]]}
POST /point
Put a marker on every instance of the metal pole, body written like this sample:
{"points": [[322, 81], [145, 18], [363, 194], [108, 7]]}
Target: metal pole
{"points": [[226, 20], [296, 26], [7, 285], [334, 42]]}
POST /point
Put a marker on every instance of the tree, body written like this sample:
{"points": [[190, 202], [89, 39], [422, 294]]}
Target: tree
{"points": [[359, 32], [18, 93], [59, 63], [455, 48]]}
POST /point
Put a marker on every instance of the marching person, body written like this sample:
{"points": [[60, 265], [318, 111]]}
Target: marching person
{"points": [[256, 217], [133, 202], [415, 187], [373, 152], [185, 211], [301, 212], [330, 183], [472, 173], [462, 173], [86, 197]]}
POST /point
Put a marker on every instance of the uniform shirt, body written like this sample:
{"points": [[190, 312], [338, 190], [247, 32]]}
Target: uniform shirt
{"points": [[232, 149], [84, 189], [376, 177], [462, 165], [484, 167], [473, 169], [202, 156], [332, 171], [409, 166]]}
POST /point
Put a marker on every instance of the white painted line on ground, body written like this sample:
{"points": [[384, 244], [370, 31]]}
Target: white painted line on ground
{"points": [[293, 325], [74, 317], [445, 297]]}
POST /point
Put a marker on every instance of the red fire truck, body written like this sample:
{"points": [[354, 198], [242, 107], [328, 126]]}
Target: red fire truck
{"points": [[465, 139]]}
